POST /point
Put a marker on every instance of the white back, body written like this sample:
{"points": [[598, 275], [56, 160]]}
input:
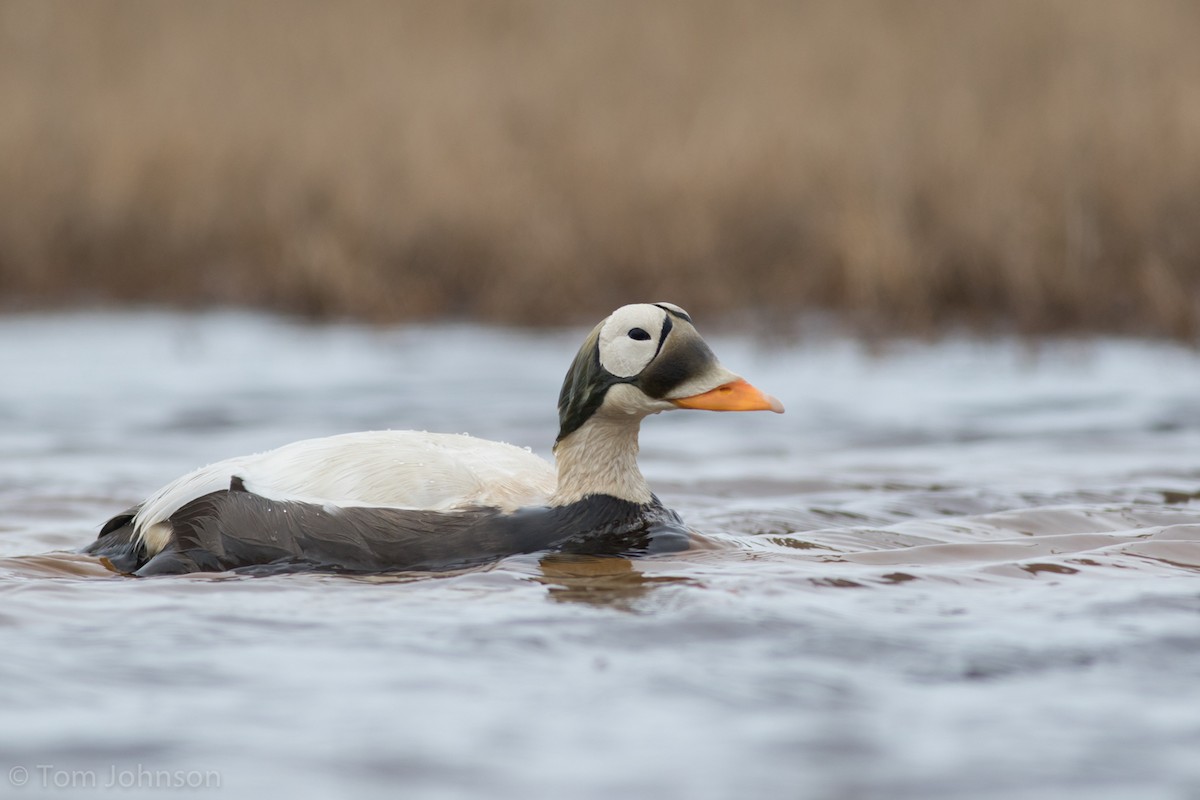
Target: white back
{"points": [[403, 469]]}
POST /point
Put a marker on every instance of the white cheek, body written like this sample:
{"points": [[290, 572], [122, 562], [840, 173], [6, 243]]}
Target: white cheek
{"points": [[625, 357], [626, 400]]}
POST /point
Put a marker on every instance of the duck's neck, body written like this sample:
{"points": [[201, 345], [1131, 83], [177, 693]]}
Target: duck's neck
{"points": [[600, 458]]}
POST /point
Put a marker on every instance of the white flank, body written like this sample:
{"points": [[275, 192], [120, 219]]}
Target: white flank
{"points": [[400, 469]]}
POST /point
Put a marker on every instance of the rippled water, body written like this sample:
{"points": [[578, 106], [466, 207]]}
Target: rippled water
{"points": [[961, 570]]}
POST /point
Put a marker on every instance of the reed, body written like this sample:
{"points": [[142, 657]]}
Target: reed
{"points": [[1026, 164]]}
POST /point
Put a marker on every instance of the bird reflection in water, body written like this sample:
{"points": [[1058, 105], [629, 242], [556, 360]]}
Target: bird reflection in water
{"points": [[609, 581]]}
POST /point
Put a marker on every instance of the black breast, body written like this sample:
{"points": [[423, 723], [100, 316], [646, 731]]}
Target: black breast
{"points": [[235, 529]]}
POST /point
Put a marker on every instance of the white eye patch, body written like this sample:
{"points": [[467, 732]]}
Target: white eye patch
{"points": [[629, 339]]}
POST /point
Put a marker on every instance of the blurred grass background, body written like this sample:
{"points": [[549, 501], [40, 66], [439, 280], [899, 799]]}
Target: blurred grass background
{"points": [[910, 165]]}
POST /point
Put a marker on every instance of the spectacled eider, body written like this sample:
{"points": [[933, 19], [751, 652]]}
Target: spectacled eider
{"points": [[403, 500]]}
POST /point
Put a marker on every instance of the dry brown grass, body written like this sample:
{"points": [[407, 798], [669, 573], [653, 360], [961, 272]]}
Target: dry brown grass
{"points": [[912, 164]]}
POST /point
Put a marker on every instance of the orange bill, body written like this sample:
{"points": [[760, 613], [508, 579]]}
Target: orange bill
{"points": [[736, 395]]}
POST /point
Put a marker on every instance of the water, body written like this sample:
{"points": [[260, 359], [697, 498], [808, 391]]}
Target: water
{"points": [[960, 570]]}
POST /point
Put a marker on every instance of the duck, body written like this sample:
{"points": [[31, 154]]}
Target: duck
{"points": [[387, 501]]}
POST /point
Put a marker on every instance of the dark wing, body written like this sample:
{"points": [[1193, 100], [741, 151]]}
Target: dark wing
{"points": [[235, 529], [232, 529]]}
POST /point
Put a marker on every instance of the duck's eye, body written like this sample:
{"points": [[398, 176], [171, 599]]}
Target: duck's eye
{"points": [[639, 334]]}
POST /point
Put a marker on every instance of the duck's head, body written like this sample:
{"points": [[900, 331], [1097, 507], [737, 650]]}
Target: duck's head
{"points": [[647, 358]]}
